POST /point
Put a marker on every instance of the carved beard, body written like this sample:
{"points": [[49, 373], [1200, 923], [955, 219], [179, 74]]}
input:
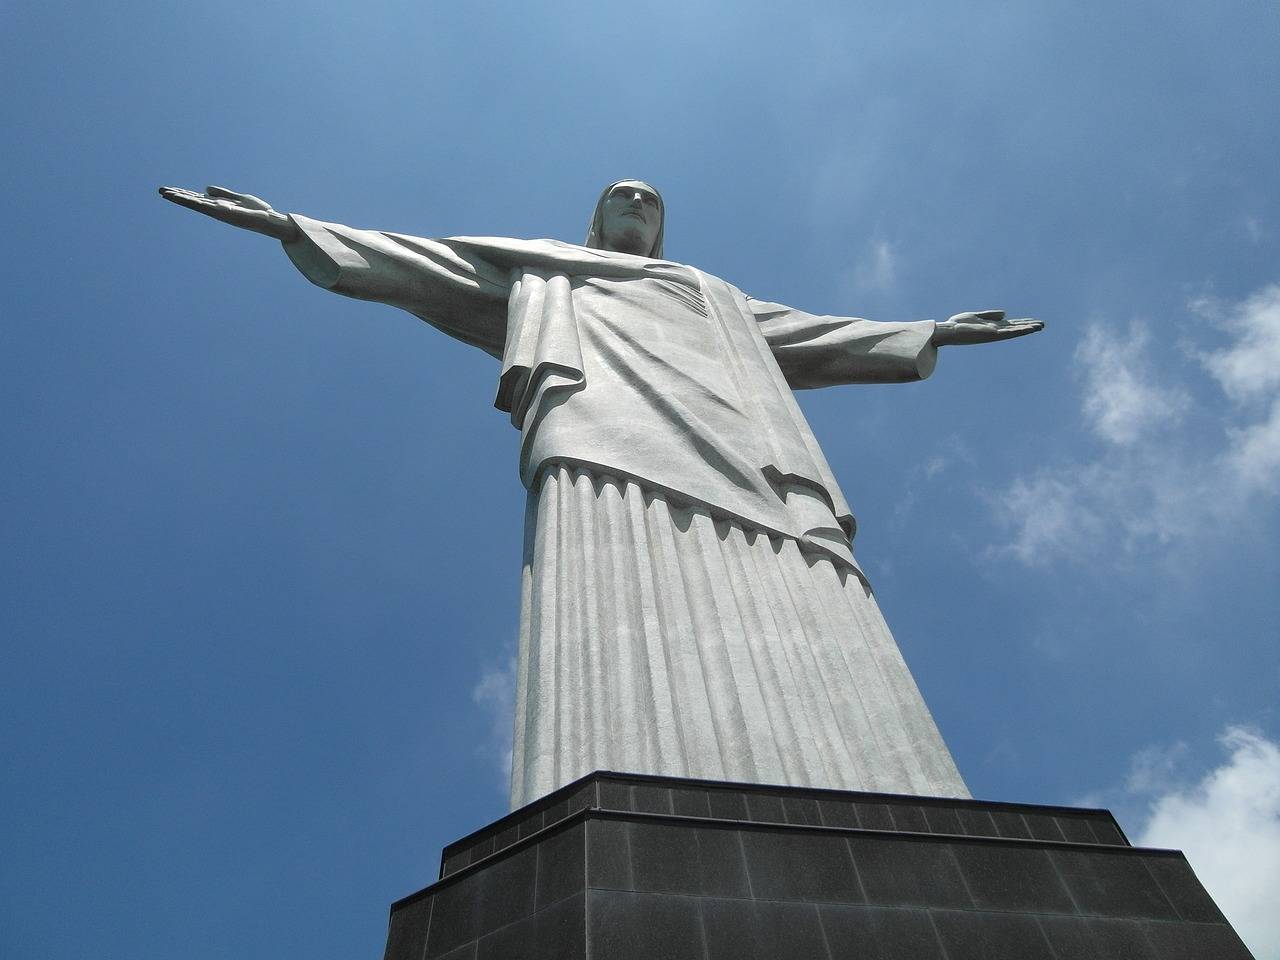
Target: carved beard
{"points": [[628, 240]]}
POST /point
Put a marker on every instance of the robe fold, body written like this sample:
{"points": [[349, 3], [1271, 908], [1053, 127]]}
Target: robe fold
{"points": [[656, 411]]}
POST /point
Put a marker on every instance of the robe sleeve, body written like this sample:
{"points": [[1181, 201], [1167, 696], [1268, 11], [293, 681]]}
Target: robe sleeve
{"points": [[818, 351], [444, 282]]}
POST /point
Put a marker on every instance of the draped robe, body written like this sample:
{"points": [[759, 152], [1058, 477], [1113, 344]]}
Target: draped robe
{"points": [[691, 604]]}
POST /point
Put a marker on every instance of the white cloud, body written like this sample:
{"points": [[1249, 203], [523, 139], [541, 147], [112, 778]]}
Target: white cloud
{"points": [[1122, 400], [1146, 485], [495, 693], [1248, 371], [1253, 455], [1249, 367], [1048, 517], [1228, 825], [1120, 505]]}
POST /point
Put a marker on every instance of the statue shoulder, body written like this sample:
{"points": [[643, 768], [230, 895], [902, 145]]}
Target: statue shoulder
{"points": [[515, 252]]}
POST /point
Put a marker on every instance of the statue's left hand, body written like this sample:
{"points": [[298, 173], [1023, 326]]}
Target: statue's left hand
{"points": [[981, 326]]}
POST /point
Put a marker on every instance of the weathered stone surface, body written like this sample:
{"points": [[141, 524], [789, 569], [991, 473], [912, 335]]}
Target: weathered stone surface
{"points": [[691, 604]]}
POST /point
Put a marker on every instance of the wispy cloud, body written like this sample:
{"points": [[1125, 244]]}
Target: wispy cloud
{"points": [[1248, 368], [1254, 454], [1048, 516], [1155, 769], [878, 268], [1147, 484], [1226, 820], [951, 453], [1248, 371], [1122, 400], [495, 694]]}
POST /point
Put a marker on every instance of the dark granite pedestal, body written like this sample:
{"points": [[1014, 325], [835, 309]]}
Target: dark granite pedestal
{"points": [[622, 867]]}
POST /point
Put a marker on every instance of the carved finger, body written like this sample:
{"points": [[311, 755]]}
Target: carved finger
{"points": [[222, 193], [1019, 330], [994, 316], [186, 198], [245, 200]]}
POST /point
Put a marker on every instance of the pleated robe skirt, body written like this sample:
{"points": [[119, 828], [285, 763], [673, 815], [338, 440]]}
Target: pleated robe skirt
{"points": [[656, 638]]}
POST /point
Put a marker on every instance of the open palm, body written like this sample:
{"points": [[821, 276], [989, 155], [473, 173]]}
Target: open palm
{"points": [[982, 326], [238, 209]]}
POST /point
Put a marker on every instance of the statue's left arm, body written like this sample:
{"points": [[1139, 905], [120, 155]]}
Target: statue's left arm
{"points": [[822, 351]]}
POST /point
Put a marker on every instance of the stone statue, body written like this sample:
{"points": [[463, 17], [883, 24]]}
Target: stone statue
{"points": [[691, 604]]}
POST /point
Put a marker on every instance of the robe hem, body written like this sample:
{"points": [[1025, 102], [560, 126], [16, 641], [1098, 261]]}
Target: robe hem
{"points": [[809, 547]]}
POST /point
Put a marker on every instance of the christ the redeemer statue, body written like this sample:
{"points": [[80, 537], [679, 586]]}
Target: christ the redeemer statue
{"points": [[691, 605]]}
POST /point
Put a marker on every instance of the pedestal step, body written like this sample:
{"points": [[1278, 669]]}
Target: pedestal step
{"points": [[641, 868]]}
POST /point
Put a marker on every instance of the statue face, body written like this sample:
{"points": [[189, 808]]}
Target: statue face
{"points": [[630, 218]]}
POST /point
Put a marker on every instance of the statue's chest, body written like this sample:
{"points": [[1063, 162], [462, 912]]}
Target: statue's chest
{"points": [[654, 313]]}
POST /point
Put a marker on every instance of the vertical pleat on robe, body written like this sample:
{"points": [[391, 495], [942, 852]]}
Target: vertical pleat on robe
{"points": [[655, 637], [701, 614]]}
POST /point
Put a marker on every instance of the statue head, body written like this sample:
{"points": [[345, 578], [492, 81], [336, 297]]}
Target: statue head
{"points": [[628, 219]]}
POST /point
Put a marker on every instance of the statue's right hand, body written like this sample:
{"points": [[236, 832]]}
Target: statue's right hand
{"points": [[238, 209]]}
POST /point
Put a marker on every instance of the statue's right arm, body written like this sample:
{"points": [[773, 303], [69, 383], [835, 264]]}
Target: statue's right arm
{"points": [[446, 283]]}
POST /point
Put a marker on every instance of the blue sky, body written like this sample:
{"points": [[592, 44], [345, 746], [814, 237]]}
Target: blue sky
{"points": [[262, 543]]}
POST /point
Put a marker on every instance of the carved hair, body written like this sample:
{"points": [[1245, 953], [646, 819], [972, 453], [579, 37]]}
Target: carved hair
{"points": [[595, 233]]}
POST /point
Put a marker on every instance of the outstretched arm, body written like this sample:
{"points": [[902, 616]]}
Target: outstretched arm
{"points": [[238, 209], [821, 351], [446, 283]]}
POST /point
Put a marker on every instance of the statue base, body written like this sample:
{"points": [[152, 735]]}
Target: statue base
{"points": [[627, 867]]}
